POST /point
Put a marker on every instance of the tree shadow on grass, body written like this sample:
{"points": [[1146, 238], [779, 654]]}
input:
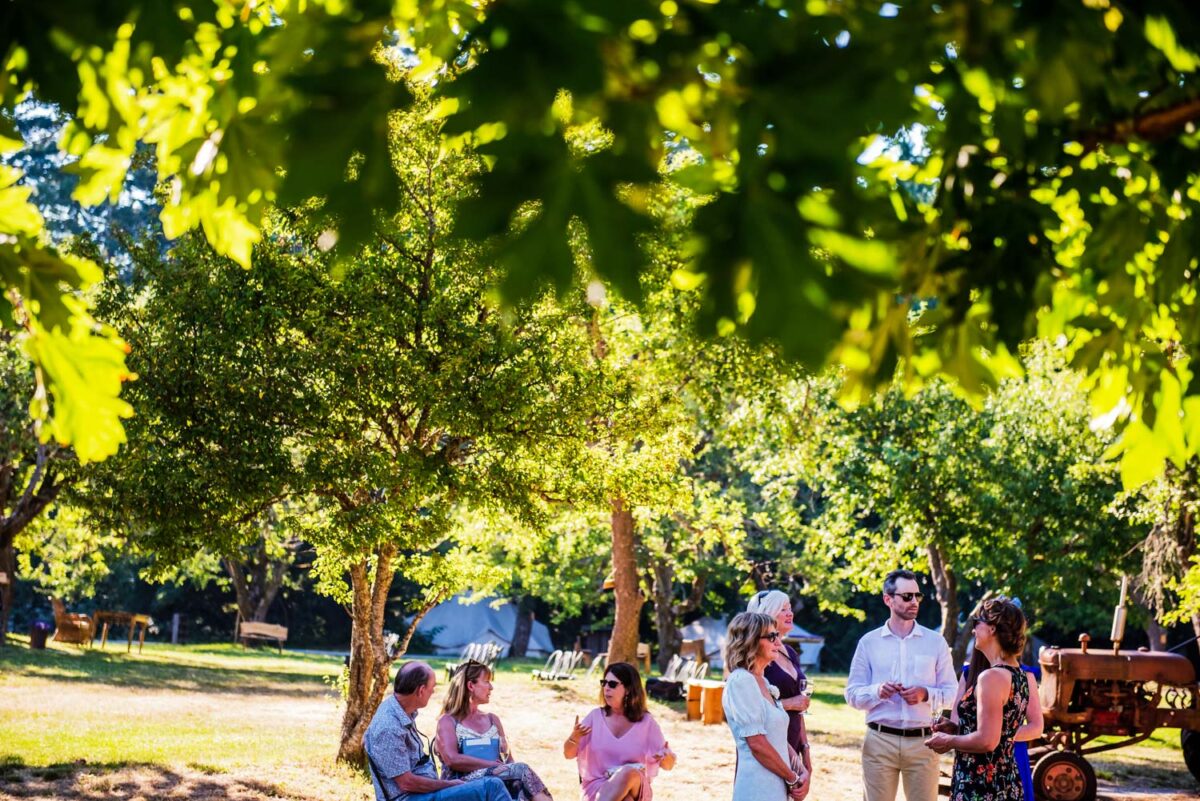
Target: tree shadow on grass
{"points": [[127, 781], [119, 670]]}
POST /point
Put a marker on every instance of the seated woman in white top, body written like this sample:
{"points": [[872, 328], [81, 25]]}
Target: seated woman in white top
{"points": [[471, 743], [757, 719]]}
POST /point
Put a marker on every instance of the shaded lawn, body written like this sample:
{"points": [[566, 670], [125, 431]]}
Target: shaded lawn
{"points": [[214, 668]]}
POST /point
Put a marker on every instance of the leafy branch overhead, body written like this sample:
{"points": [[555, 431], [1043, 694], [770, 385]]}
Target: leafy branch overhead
{"points": [[913, 188]]}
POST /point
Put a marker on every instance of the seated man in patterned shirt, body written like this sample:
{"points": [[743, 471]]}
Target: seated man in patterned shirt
{"points": [[401, 770]]}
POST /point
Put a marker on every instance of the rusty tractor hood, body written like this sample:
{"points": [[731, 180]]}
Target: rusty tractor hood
{"points": [[1126, 666]]}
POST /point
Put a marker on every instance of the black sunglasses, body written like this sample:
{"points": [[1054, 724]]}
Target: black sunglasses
{"points": [[773, 636], [977, 619], [611, 684], [907, 597]]}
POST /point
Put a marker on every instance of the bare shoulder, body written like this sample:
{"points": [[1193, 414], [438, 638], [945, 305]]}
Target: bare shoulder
{"points": [[995, 679]]}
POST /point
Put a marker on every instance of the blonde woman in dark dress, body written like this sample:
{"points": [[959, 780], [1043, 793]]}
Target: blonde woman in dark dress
{"points": [[785, 673]]}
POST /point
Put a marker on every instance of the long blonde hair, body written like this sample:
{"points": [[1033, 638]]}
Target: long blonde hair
{"points": [[458, 698], [741, 646]]}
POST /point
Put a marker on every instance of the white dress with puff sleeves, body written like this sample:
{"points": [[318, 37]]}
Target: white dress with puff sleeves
{"points": [[749, 713]]}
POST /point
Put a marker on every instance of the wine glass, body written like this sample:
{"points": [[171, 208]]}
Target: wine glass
{"points": [[806, 689]]}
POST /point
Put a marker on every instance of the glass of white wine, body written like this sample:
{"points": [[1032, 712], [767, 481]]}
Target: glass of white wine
{"points": [[806, 689]]}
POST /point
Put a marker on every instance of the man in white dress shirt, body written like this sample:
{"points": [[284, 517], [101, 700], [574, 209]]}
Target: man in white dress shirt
{"points": [[901, 675]]}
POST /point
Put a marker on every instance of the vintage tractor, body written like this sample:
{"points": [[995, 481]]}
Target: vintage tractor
{"points": [[1122, 696]]}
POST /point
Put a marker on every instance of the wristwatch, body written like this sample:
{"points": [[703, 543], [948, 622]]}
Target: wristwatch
{"points": [[794, 783]]}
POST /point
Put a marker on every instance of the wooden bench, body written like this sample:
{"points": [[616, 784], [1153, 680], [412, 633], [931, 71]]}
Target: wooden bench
{"points": [[249, 630]]}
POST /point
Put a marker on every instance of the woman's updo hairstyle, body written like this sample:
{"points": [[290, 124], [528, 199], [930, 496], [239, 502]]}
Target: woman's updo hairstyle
{"points": [[1008, 620]]}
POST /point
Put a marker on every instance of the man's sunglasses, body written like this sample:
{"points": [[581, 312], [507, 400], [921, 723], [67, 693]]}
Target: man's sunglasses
{"points": [[611, 684], [773, 636], [908, 597]]}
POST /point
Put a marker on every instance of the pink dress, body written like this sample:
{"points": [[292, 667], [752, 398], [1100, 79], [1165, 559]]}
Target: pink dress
{"points": [[600, 751]]}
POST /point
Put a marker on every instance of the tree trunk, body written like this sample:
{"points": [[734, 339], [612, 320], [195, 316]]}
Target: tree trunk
{"points": [[369, 659], [522, 630], [1156, 634], [257, 579], [20, 506], [629, 600], [945, 583], [8, 566], [669, 640]]}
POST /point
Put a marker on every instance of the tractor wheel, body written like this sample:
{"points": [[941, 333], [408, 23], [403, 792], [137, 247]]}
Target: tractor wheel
{"points": [[1064, 776], [1190, 740]]}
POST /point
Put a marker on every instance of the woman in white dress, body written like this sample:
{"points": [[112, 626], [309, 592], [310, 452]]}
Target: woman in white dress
{"points": [[757, 719]]}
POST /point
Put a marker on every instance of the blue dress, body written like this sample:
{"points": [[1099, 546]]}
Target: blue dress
{"points": [[1021, 749], [749, 713]]}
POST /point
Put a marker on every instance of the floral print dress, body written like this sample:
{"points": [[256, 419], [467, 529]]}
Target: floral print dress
{"points": [[992, 776]]}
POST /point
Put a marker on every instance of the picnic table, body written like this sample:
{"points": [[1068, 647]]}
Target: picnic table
{"points": [[128, 619]]}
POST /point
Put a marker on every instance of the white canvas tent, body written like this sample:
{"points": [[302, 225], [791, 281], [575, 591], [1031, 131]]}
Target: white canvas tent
{"points": [[454, 624], [713, 631]]}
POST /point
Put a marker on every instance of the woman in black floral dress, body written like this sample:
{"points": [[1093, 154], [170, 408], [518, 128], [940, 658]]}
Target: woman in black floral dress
{"points": [[990, 717]]}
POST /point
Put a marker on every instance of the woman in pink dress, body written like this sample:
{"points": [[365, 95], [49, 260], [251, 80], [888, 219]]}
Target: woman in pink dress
{"points": [[619, 746]]}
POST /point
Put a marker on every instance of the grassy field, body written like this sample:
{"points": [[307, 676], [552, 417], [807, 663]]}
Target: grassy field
{"points": [[217, 723]]}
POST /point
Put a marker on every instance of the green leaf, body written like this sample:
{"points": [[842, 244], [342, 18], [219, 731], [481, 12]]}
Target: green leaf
{"points": [[43, 277], [874, 258], [1142, 455], [84, 372], [101, 172], [17, 214], [1168, 427], [1160, 34]]}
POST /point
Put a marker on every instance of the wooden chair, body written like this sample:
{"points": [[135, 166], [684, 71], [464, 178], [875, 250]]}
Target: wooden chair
{"points": [[71, 627], [550, 661], [569, 668], [672, 671], [486, 653], [600, 661], [555, 667], [694, 649], [643, 656]]}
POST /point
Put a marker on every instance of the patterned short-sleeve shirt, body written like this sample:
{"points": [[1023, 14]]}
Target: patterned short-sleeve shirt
{"points": [[395, 747]]}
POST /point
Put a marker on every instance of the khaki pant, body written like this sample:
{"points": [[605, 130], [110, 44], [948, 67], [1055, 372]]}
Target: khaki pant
{"points": [[888, 758]]}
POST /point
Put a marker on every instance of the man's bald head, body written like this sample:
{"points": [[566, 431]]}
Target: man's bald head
{"points": [[412, 676]]}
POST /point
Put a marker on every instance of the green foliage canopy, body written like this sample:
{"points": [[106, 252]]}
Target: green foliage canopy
{"points": [[1053, 187], [1012, 497]]}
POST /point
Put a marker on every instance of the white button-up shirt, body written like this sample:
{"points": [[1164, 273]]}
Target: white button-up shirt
{"points": [[922, 659]]}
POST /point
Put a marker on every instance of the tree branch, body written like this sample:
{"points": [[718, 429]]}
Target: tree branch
{"points": [[1152, 126]]}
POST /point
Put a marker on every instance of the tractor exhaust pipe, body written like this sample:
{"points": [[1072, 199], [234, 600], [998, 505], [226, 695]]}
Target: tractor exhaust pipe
{"points": [[1118, 627]]}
